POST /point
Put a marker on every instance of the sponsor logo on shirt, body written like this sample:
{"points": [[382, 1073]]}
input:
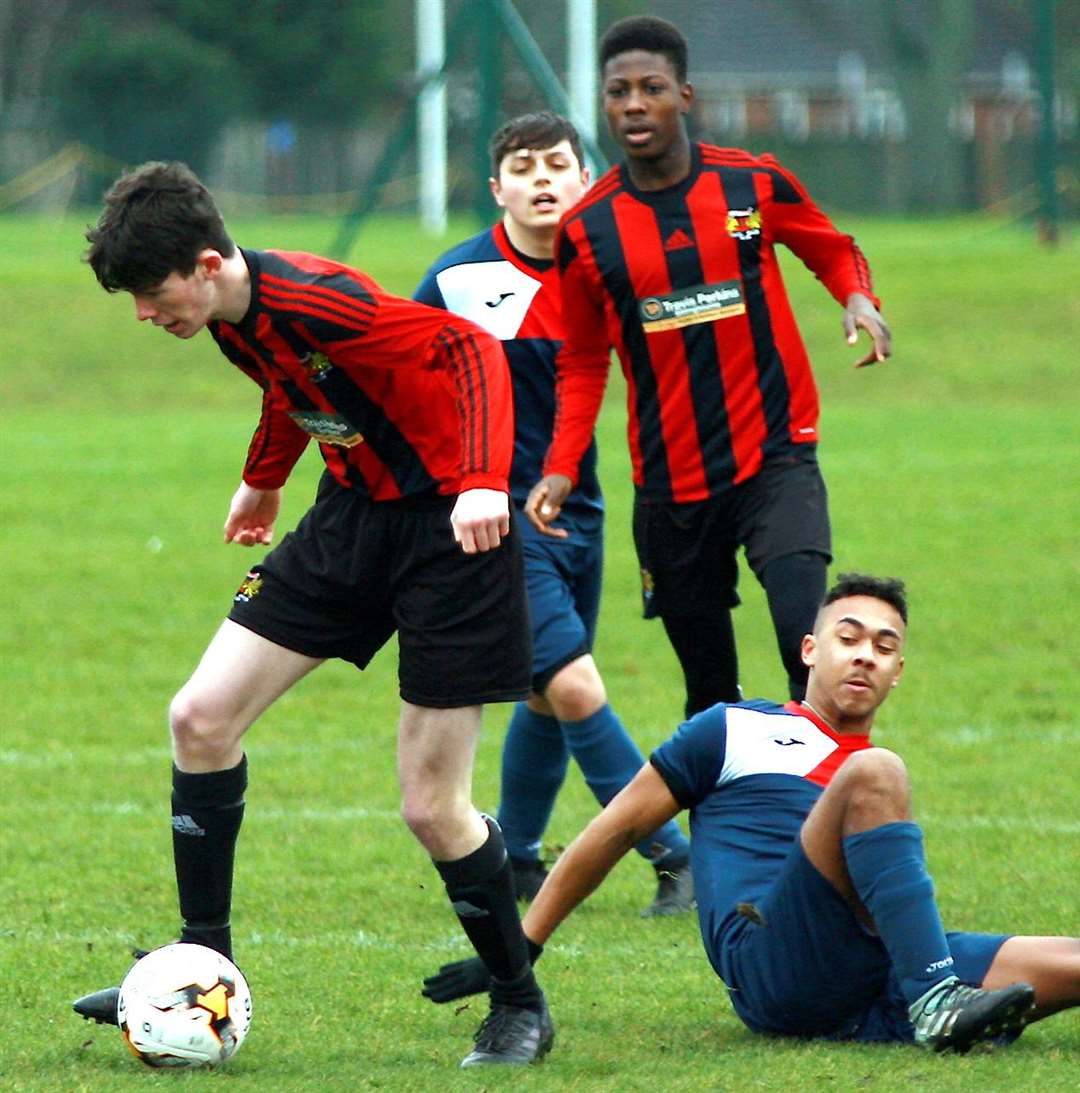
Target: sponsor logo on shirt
{"points": [[689, 306], [743, 223], [327, 428]]}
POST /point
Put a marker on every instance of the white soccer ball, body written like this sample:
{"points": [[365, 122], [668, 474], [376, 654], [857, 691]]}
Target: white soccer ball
{"points": [[184, 1006]]}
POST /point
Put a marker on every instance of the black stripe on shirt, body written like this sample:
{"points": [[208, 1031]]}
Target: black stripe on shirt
{"points": [[739, 193]]}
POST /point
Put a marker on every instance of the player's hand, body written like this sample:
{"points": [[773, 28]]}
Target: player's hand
{"points": [[480, 519], [545, 502], [465, 977], [458, 980], [252, 514], [860, 314]]}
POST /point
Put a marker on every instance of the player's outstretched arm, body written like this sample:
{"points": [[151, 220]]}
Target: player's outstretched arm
{"points": [[480, 519], [545, 502], [860, 314], [638, 809], [252, 514]]}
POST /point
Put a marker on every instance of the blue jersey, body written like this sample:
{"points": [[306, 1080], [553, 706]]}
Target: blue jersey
{"points": [[516, 298], [749, 773]]}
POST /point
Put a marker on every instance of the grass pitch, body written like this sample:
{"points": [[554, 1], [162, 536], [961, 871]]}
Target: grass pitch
{"points": [[954, 466]]}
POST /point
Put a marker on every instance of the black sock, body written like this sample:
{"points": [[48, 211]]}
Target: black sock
{"points": [[481, 888], [705, 646], [207, 810], [795, 586]]}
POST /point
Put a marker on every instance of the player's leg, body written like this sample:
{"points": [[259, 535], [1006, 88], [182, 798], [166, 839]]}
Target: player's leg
{"points": [[860, 836], [238, 677], [534, 762], [436, 748], [1050, 964], [563, 579], [783, 521], [689, 577], [534, 754], [609, 759], [705, 647], [476, 605], [794, 587]]}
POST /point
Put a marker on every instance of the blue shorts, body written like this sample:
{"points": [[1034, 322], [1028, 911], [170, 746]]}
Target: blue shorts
{"points": [[562, 582], [809, 968]]}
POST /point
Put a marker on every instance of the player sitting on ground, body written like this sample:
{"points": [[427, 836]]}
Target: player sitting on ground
{"points": [[814, 901], [504, 279]]}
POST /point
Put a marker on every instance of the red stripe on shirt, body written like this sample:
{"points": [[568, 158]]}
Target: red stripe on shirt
{"points": [[643, 250]]}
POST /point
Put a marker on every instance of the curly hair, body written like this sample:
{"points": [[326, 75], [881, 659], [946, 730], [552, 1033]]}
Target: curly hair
{"points": [[650, 34], [888, 589]]}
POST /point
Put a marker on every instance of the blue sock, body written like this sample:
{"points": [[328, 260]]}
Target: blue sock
{"points": [[609, 759], [534, 761], [888, 868]]}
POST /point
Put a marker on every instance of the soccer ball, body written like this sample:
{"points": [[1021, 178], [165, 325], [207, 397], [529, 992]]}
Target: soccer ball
{"points": [[184, 1006]]}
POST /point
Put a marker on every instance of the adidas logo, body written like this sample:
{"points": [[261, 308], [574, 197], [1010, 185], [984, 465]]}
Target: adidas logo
{"points": [[678, 240], [185, 825], [465, 909]]}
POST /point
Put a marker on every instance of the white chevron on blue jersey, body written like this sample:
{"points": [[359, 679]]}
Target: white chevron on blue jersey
{"points": [[771, 743], [494, 295]]}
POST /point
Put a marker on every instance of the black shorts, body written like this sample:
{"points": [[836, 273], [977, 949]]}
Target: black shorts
{"points": [[687, 552], [354, 571]]}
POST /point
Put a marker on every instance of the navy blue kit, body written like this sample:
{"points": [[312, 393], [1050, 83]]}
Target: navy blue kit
{"points": [[793, 955]]}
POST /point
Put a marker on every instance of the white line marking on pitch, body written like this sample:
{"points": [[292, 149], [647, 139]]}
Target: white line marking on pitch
{"points": [[351, 813]]}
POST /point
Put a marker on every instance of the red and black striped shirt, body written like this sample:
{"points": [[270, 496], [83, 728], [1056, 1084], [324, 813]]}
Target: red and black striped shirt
{"points": [[684, 284], [403, 398]]}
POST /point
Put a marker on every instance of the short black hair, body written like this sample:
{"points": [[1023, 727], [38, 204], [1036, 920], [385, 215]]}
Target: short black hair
{"points": [[543, 129], [888, 589], [650, 34], [156, 220]]}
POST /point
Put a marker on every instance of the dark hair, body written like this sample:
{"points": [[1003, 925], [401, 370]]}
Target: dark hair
{"points": [[888, 589], [156, 220], [650, 34], [544, 129]]}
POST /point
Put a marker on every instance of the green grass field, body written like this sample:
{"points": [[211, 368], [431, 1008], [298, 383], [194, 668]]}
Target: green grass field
{"points": [[955, 466]]}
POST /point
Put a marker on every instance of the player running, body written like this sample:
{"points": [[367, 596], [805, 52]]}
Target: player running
{"points": [[504, 279], [410, 531], [671, 260], [815, 906]]}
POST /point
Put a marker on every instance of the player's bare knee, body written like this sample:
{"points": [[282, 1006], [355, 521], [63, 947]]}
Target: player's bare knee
{"points": [[576, 691], [436, 823], [196, 731], [422, 816]]}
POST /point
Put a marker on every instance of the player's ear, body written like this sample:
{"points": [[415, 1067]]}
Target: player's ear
{"points": [[496, 192], [209, 261], [686, 93], [899, 673], [808, 650]]}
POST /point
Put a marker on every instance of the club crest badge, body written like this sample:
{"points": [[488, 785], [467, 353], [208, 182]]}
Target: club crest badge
{"points": [[250, 588], [743, 223]]}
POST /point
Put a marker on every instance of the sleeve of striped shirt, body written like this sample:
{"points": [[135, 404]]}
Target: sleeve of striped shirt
{"points": [[833, 257], [278, 441], [274, 449], [475, 366], [582, 366]]}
